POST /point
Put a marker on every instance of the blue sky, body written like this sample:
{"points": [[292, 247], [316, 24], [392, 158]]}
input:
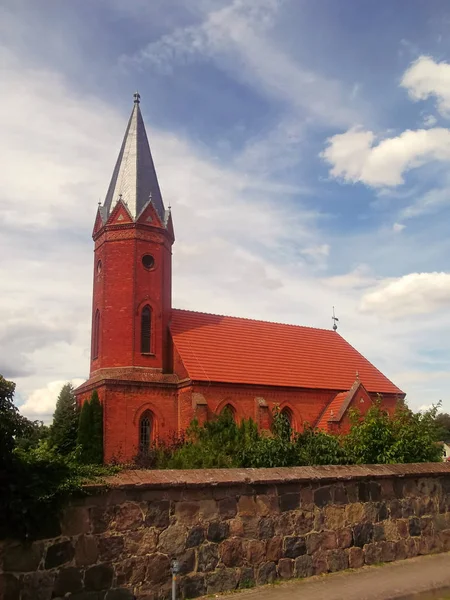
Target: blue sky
{"points": [[304, 147]]}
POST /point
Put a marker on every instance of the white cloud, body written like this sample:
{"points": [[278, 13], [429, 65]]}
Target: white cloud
{"points": [[427, 203], [416, 293], [429, 121], [354, 157], [41, 403], [398, 227], [426, 78]]}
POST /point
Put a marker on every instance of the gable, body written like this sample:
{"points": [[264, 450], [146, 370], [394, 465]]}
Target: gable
{"points": [[244, 351]]}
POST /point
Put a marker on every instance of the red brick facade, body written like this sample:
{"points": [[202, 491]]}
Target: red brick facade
{"points": [[152, 379]]}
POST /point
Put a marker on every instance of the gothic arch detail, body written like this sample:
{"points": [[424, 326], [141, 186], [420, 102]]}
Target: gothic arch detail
{"points": [[146, 329], [96, 335], [146, 431]]}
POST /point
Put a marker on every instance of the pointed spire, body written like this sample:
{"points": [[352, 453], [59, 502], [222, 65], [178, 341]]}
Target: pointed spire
{"points": [[134, 178]]}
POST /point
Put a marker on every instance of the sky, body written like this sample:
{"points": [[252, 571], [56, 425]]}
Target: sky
{"points": [[304, 148]]}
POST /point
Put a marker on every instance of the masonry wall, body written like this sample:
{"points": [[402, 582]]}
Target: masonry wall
{"points": [[230, 529]]}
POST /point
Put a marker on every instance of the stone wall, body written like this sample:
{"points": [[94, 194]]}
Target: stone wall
{"points": [[230, 529]]}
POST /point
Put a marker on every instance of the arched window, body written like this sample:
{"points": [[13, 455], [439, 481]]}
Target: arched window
{"points": [[96, 335], [145, 432], [228, 409], [289, 416], [146, 329]]}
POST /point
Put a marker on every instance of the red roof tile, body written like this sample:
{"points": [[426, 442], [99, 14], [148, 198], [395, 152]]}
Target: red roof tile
{"points": [[235, 350], [332, 410]]}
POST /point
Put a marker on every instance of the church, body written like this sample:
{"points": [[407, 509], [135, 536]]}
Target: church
{"points": [[155, 367]]}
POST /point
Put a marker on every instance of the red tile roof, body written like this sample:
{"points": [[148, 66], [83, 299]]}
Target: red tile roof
{"points": [[235, 350], [332, 410]]}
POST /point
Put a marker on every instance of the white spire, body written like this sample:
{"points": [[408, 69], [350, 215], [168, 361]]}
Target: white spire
{"points": [[134, 178]]}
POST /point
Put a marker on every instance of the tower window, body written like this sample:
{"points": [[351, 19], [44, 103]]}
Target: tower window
{"points": [[145, 432], [148, 261], [96, 335], [146, 329]]}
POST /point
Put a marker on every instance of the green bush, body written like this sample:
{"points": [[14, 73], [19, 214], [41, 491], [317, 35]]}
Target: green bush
{"points": [[64, 428], [90, 431]]}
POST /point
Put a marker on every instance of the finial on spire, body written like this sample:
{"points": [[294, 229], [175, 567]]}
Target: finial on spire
{"points": [[335, 321], [137, 97]]}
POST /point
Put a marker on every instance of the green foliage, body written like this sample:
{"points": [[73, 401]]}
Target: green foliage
{"points": [[63, 431], [33, 435], [405, 437], [443, 424], [97, 429], [12, 424], [90, 431]]}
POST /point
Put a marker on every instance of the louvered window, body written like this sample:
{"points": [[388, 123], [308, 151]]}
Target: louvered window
{"points": [[146, 330], [96, 336]]}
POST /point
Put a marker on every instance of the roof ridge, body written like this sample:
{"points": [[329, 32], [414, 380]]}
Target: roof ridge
{"points": [[207, 314]]}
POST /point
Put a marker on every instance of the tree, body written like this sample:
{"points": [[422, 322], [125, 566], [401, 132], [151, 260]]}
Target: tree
{"points": [[12, 424], [85, 432], [443, 423], [90, 431], [64, 429], [97, 429], [34, 434]]}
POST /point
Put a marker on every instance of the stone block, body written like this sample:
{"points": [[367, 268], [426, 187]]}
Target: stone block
{"points": [[351, 489], [402, 528], [391, 533], [222, 580], [100, 518], [158, 569], [266, 528], [344, 537], [75, 521], [407, 508], [337, 560], [289, 502], [400, 550], [414, 527], [322, 496], [236, 527], [378, 533], [208, 557], [340, 495], [231, 552], [98, 577], [306, 498], [128, 517], [86, 550], [303, 522], [110, 548], [395, 509], [266, 573], [388, 551], [284, 524], [218, 531], [59, 554], [362, 534], [187, 513], [355, 558], [354, 513], [387, 489], [247, 506], [304, 566], [157, 514], [325, 540], [444, 538], [37, 586], [320, 562], [334, 517], [172, 541], [23, 557], [267, 505], [427, 526], [274, 549], [131, 571], [68, 580], [294, 546], [227, 508], [195, 537], [9, 587], [411, 547], [186, 562], [193, 586], [372, 553], [141, 542], [255, 552], [285, 568], [383, 512], [246, 578]]}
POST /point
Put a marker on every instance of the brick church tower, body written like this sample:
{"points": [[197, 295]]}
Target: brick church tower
{"points": [[130, 343]]}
